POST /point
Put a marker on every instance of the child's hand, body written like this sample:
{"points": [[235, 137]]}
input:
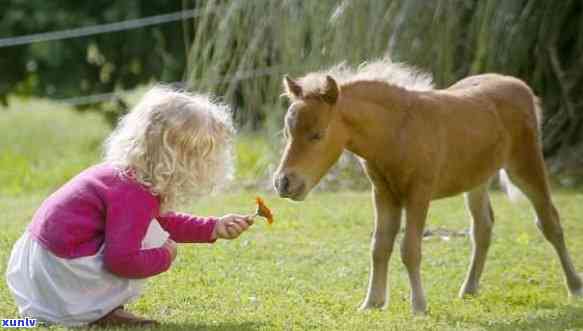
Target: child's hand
{"points": [[231, 226], [170, 245]]}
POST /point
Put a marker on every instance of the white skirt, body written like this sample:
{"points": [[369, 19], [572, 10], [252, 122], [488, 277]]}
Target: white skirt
{"points": [[70, 292]]}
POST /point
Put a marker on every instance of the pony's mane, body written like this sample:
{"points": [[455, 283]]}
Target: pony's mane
{"points": [[382, 70]]}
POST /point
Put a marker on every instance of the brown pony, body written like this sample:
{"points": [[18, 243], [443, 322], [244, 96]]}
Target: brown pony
{"points": [[417, 144]]}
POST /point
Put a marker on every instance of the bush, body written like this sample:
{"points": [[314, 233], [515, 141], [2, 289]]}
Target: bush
{"points": [[96, 64]]}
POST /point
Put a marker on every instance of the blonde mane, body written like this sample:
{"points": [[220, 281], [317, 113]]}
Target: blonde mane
{"points": [[382, 70], [178, 145]]}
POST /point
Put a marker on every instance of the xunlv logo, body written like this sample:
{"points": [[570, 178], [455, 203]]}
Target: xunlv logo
{"points": [[19, 322]]}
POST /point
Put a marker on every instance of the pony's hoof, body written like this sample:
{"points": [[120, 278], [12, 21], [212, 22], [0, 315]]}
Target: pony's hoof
{"points": [[368, 305], [576, 287], [420, 312], [578, 293], [419, 308], [468, 292], [469, 289]]}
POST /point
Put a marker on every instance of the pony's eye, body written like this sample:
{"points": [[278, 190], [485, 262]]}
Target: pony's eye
{"points": [[315, 136]]}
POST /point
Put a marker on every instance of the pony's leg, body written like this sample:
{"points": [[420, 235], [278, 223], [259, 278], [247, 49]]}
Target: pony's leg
{"points": [[478, 204], [527, 170], [387, 223], [416, 213]]}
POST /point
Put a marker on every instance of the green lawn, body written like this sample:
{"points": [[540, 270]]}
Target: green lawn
{"points": [[309, 270]]}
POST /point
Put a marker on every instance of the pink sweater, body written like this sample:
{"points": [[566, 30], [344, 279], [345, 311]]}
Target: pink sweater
{"points": [[100, 206]]}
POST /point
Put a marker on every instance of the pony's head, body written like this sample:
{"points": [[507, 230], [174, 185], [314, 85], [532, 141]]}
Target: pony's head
{"points": [[315, 134], [315, 130]]}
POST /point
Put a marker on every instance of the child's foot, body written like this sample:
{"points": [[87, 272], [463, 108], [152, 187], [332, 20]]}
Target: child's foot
{"points": [[121, 317]]}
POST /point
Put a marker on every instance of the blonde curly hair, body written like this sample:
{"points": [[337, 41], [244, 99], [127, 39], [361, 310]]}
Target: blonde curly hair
{"points": [[176, 144]]}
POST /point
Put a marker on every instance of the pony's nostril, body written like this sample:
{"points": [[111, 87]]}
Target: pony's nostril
{"points": [[288, 184], [284, 184]]}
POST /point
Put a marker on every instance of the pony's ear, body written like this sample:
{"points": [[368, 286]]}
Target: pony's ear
{"points": [[331, 91], [292, 87]]}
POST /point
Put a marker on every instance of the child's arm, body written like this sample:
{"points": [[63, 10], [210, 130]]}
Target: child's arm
{"points": [[184, 228], [127, 220]]}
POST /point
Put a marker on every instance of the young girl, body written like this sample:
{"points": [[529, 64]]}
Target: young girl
{"points": [[92, 243]]}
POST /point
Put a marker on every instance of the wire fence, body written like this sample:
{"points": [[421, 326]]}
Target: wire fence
{"points": [[117, 27], [128, 25], [107, 28]]}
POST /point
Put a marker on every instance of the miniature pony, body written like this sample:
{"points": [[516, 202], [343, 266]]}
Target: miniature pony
{"points": [[418, 144]]}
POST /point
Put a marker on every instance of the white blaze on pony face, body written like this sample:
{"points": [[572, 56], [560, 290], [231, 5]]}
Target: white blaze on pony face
{"points": [[315, 140]]}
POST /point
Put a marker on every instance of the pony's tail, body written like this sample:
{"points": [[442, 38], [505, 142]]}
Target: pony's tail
{"points": [[513, 192]]}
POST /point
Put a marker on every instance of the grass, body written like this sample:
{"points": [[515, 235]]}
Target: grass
{"points": [[309, 270], [254, 158], [42, 145]]}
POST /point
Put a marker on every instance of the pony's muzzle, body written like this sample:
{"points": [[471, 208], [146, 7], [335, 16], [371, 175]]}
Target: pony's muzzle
{"points": [[289, 185]]}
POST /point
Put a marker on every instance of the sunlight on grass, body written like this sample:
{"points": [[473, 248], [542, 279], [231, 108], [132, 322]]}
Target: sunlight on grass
{"points": [[43, 144]]}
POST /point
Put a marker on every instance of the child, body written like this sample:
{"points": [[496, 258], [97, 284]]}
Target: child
{"points": [[92, 243]]}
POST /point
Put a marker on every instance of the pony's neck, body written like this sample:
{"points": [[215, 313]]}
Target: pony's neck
{"points": [[383, 94], [373, 111]]}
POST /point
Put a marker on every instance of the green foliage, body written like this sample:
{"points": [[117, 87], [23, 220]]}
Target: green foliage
{"points": [[242, 53], [539, 41], [87, 65], [240, 49]]}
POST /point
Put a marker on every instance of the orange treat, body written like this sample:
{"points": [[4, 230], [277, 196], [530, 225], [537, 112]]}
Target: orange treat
{"points": [[263, 211]]}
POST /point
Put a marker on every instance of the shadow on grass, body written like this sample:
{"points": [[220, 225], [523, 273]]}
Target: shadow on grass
{"points": [[227, 326], [570, 318]]}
